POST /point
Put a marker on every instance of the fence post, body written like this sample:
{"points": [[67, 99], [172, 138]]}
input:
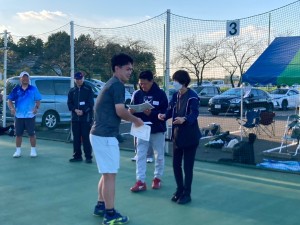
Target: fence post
{"points": [[4, 80], [72, 53], [167, 70]]}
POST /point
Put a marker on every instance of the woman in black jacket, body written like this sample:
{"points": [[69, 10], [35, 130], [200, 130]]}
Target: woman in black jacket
{"points": [[184, 110]]}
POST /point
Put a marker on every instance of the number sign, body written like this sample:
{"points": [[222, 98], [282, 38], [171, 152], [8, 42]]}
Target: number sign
{"points": [[232, 28]]}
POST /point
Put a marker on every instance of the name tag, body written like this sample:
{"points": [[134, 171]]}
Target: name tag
{"points": [[155, 102], [81, 103]]}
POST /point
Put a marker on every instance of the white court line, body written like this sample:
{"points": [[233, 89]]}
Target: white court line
{"points": [[277, 148]]}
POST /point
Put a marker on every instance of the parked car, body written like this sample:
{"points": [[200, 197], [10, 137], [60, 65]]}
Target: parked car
{"points": [[206, 92], [204, 83], [284, 98], [130, 88], [230, 101], [96, 82], [220, 84], [54, 90]]}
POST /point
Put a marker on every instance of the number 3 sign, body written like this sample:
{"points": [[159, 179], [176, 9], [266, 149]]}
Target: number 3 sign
{"points": [[232, 28]]}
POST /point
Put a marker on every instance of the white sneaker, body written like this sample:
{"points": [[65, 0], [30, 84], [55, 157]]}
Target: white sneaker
{"points": [[33, 153], [149, 160], [134, 158], [17, 154]]}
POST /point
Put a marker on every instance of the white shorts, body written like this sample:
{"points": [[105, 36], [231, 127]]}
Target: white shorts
{"points": [[107, 153]]}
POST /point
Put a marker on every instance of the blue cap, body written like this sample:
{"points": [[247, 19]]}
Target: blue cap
{"points": [[78, 76]]}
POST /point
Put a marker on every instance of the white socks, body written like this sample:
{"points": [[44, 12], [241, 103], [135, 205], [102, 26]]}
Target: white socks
{"points": [[17, 153], [33, 152]]}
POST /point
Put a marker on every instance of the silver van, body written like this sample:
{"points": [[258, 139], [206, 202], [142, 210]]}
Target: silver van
{"points": [[54, 90]]}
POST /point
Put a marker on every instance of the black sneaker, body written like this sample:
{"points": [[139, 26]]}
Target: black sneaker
{"points": [[88, 161], [99, 210], [75, 160], [176, 196], [184, 199]]}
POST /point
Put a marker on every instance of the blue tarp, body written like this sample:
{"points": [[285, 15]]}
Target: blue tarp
{"points": [[280, 165], [278, 64]]}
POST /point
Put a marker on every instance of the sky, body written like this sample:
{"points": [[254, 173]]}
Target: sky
{"points": [[27, 17]]}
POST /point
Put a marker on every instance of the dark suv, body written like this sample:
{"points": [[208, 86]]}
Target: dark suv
{"points": [[206, 92], [230, 101]]}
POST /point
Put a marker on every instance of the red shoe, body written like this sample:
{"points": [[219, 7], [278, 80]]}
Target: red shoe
{"points": [[156, 183], [139, 186]]}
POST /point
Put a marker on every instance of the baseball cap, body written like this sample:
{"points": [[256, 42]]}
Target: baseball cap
{"points": [[78, 76], [23, 74]]}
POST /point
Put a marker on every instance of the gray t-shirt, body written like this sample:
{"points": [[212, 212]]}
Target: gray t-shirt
{"points": [[106, 120]]}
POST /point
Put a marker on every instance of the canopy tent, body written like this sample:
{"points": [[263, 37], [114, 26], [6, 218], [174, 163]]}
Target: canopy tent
{"points": [[278, 64]]}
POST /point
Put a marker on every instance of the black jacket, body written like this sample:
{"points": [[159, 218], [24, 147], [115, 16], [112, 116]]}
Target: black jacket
{"points": [[188, 133], [157, 98], [81, 98]]}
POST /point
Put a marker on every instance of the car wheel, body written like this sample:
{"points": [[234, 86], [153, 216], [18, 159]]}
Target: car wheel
{"points": [[284, 105], [50, 120]]}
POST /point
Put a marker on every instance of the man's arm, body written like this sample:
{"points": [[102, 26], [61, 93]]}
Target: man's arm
{"points": [[123, 113], [37, 104], [11, 107], [36, 107]]}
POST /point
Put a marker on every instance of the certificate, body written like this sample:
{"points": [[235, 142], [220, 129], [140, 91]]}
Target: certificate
{"points": [[142, 132], [141, 107]]}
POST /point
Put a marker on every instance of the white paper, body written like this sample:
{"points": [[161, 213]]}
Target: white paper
{"points": [[142, 132], [141, 107]]}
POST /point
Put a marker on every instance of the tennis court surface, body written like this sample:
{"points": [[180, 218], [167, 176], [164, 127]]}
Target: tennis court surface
{"points": [[48, 190]]}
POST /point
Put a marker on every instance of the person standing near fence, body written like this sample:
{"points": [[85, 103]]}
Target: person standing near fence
{"points": [[81, 104], [109, 110], [150, 93], [184, 110], [27, 102]]}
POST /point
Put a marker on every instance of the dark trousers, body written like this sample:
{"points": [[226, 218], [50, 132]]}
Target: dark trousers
{"points": [[187, 155], [81, 132]]}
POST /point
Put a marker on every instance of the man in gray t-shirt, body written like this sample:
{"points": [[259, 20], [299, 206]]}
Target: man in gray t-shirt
{"points": [[109, 110], [106, 119]]}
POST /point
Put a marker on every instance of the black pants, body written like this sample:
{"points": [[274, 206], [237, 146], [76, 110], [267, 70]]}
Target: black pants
{"points": [[81, 132], [188, 157]]}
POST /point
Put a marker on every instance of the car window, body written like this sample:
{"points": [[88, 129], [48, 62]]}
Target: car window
{"points": [[62, 87], [10, 84], [279, 91], [261, 93], [292, 92], [209, 91], [254, 92], [45, 87], [233, 91], [95, 88]]}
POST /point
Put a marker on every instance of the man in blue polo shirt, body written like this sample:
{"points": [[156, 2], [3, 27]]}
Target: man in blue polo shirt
{"points": [[26, 100]]}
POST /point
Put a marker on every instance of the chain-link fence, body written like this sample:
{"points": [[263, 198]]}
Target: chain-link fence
{"points": [[169, 42]]}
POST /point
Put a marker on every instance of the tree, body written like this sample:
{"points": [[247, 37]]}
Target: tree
{"points": [[84, 54], [194, 56], [143, 58], [238, 53], [29, 45], [56, 57], [138, 50]]}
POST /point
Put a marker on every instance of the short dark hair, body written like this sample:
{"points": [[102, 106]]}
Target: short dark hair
{"points": [[120, 59], [147, 75], [182, 77]]}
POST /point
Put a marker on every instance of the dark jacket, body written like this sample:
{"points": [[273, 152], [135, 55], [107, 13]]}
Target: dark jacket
{"points": [[81, 98], [188, 133], [158, 99]]}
